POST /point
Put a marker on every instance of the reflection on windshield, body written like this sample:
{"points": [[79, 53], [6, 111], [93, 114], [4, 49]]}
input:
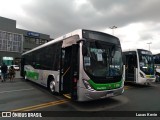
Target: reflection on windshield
{"points": [[146, 64], [103, 60]]}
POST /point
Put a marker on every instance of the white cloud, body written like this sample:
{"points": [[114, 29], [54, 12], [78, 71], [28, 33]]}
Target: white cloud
{"points": [[137, 23], [79, 3], [12, 7], [137, 35]]}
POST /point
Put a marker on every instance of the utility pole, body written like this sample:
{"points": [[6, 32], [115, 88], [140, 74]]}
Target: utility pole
{"points": [[113, 27], [149, 45]]}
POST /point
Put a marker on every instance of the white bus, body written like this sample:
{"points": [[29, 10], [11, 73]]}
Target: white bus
{"points": [[156, 58], [85, 64], [139, 65]]}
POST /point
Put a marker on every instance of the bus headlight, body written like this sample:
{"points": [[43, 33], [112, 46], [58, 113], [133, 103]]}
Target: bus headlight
{"points": [[87, 85]]}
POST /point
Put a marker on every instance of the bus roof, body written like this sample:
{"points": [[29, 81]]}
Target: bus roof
{"points": [[158, 54], [76, 32], [134, 50]]}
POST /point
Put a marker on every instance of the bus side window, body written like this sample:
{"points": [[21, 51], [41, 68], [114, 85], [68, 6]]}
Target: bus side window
{"points": [[57, 60]]}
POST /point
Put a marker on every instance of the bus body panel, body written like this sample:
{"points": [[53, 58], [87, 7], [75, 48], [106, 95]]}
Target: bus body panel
{"points": [[95, 95], [41, 76]]}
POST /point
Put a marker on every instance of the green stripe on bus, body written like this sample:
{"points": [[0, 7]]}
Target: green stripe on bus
{"points": [[108, 86], [150, 76], [32, 75]]}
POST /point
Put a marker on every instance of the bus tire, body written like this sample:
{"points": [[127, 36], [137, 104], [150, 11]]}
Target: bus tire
{"points": [[51, 85]]}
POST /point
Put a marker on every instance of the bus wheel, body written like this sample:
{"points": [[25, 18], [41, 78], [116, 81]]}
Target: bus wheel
{"points": [[52, 86]]}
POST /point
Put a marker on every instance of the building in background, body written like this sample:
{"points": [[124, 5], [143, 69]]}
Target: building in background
{"points": [[15, 41]]}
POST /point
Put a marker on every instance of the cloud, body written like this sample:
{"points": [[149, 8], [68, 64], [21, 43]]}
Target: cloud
{"points": [[137, 20], [58, 17], [123, 12]]}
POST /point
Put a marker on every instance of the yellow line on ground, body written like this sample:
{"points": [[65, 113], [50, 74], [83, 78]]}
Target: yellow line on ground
{"points": [[67, 96], [45, 106], [30, 108]]}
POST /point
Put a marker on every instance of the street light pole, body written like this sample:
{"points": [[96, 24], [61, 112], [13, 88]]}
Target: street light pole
{"points": [[113, 27], [149, 45]]}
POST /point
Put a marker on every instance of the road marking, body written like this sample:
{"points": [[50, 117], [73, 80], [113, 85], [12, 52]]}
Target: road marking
{"points": [[46, 106], [39, 106], [16, 90], [67, 96]]}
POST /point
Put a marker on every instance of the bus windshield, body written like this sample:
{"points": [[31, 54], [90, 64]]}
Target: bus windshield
{"points": [[156, 59], [146, 62], [102, 59]]}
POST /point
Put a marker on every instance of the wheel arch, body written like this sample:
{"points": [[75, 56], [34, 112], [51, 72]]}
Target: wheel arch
{"points": [[50, 77]]}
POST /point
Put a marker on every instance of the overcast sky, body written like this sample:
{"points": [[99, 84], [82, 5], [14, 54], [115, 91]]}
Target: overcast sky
{"points": [[137, 21]]}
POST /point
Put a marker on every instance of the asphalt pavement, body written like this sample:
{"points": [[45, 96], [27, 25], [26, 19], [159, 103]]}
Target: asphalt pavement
{"points": [[22, 95]]}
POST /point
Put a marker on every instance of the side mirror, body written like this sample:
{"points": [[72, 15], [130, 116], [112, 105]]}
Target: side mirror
{"points": [[80, 40], [37, 66], [84, 50]]}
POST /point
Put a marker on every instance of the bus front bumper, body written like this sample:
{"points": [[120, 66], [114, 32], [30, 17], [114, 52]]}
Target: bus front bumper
{"points": [[87, 95], [146, 80]]}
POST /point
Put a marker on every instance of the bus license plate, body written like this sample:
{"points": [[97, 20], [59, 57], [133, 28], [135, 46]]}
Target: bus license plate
{"points": [[110, 94]]}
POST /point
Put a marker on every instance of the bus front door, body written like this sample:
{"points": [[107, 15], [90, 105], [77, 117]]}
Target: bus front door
{"points": [[131, 65], [69, 71]]}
